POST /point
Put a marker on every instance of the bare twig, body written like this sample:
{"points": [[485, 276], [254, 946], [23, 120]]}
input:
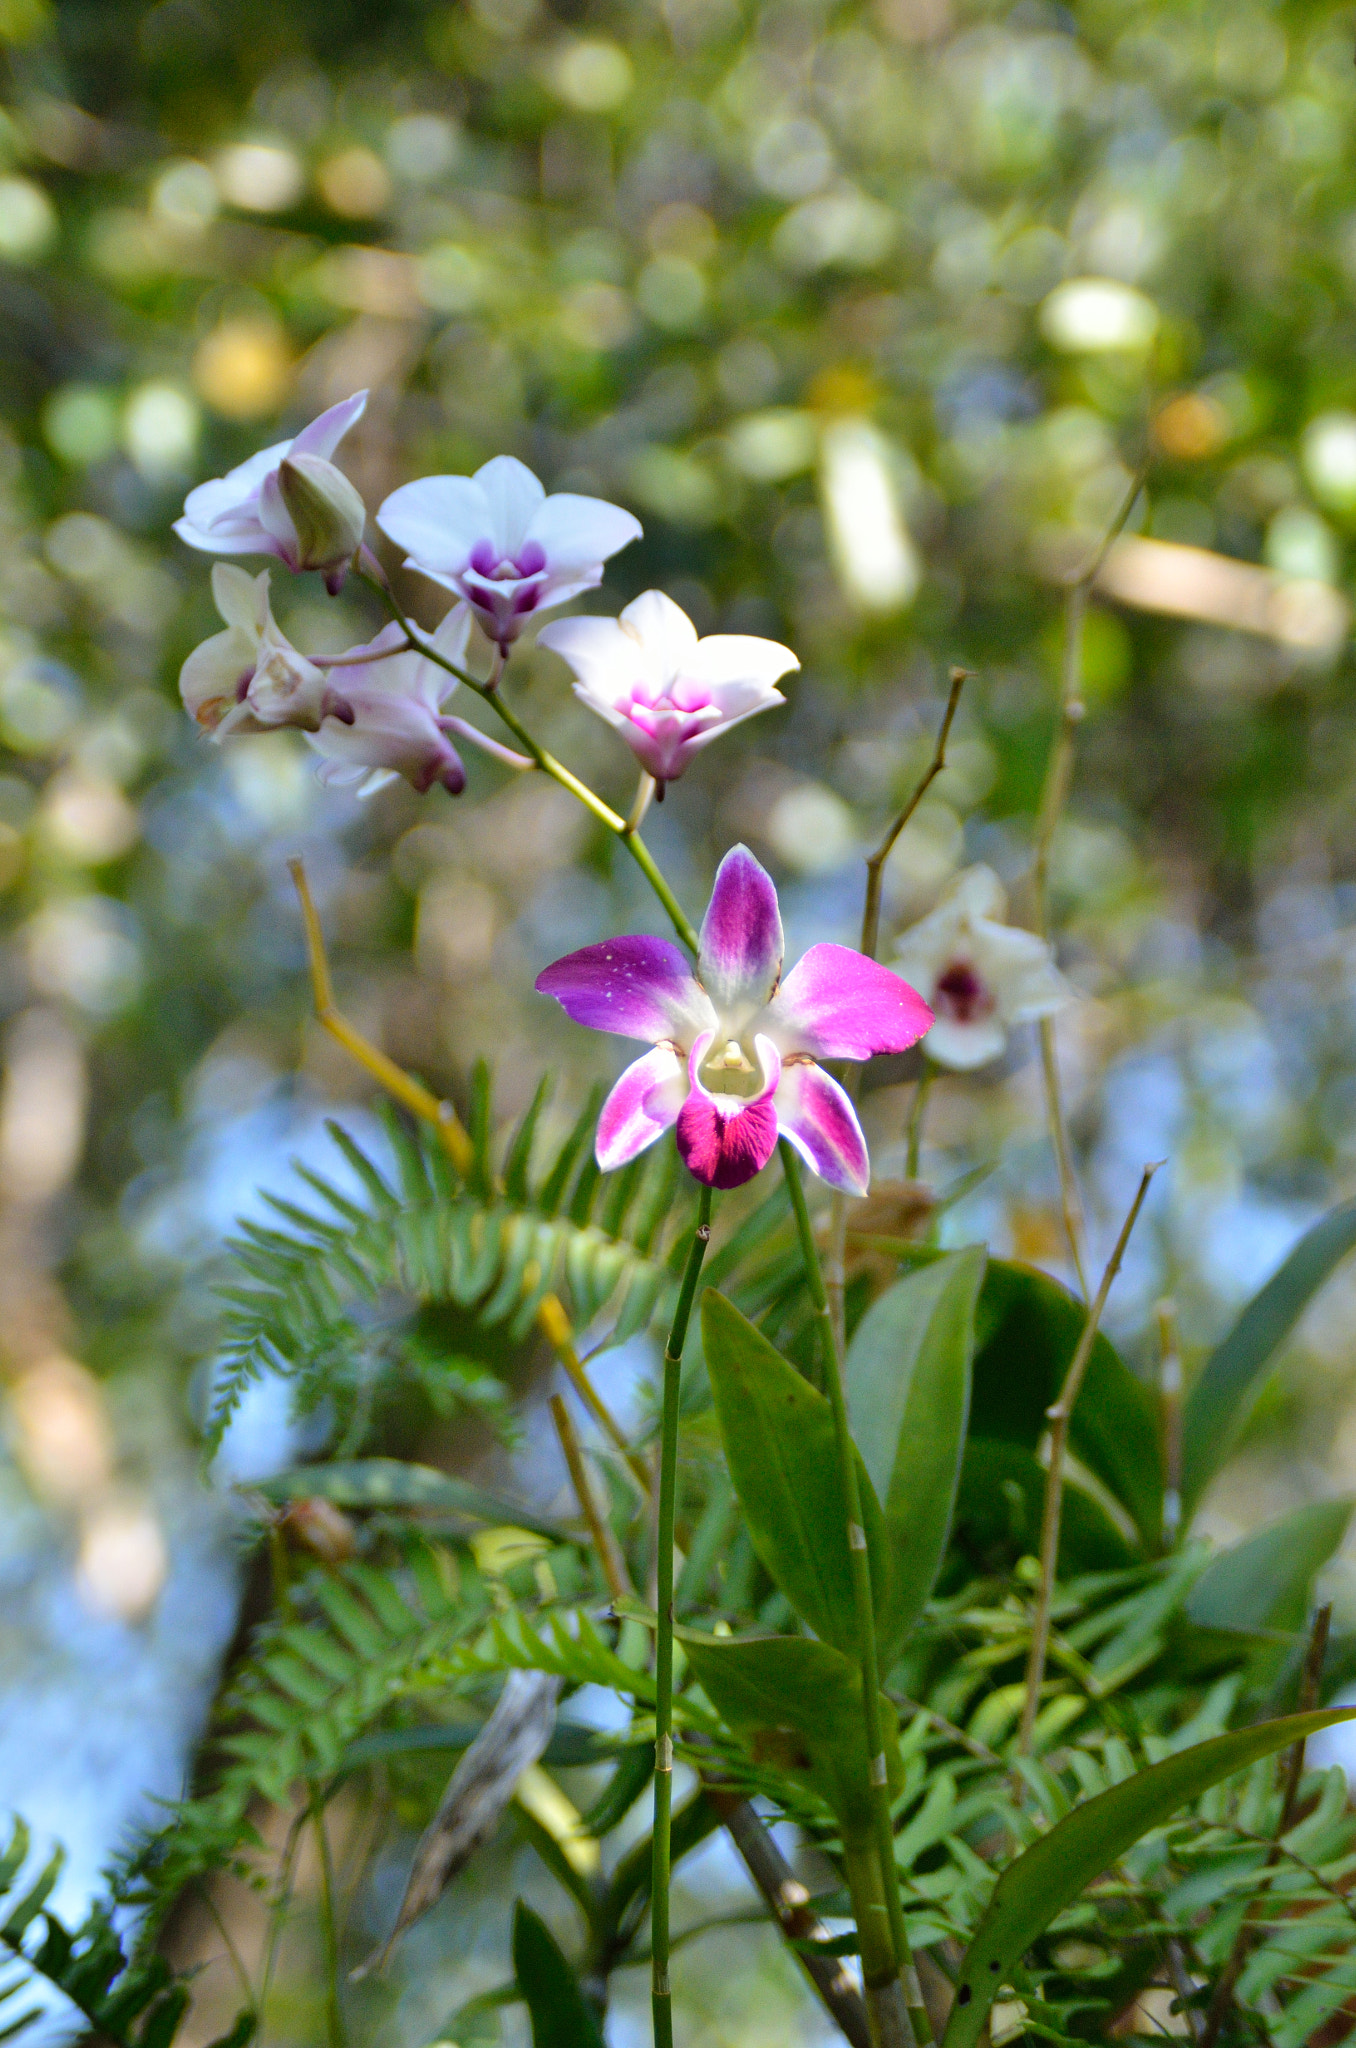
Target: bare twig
{"points": [[1059, 1417], [604, 1541], [793, 1910], [834, 1276], [416, 1098], [1222, 1997], [556, 1326]]}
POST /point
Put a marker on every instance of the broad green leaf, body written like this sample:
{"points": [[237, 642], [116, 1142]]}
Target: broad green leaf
{"points": [[560, 2016], [908, 1383], [779, 1441], [1027, 1329], [999, 1506], [1050, 1875], [391, 1483], [1231, 1378], [799, 1705], [1263, 1583]]}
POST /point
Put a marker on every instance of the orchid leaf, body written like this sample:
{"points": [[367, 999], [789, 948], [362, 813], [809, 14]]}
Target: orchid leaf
{"points": [[560, 2015], [1264, 1582]]}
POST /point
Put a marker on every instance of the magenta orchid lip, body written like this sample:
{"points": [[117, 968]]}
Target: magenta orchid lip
{"points": [[736, 1048]]}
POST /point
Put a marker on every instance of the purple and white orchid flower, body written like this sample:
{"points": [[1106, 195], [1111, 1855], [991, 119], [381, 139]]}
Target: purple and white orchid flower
{"points": [[246, 511], [501, 544], [668, 693], [734, 1065], [398, 726], [982, 976], [251, 678]]}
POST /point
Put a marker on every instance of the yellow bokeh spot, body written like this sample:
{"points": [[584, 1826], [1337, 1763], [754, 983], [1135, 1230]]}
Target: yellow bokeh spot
{"points": [[354, 183], [243, 368], [1191, 427], [842, 387]]}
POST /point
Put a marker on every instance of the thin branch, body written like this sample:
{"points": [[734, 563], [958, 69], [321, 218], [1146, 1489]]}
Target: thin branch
{"points": [[556, 1327], [1170, 1416], [604, 1540], [1059, 1417], [836, 1259], [416, 1098]]}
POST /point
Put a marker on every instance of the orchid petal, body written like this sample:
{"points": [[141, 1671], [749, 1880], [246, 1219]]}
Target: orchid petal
{"points": [[323, 435], [577, 532], [838, 1005], [607, 660], [663, 629], [241, 599], [724, 1140], [963, 1047], [637, 987], [815, 1115], [741, 949], [437, 520], [513, 496], [740, 657], [642, 1106]]}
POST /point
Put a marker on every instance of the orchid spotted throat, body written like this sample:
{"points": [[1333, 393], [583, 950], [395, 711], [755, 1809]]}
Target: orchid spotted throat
{"points": [[736, 1047]]}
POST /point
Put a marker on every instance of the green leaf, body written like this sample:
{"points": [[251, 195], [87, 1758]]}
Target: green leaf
{"points": [[1027, 1329], [560, 2016], [391, 1483], [799, 1704], [1224, 1390], [908, 1384], [779, 1440], [1050, 1875], [999, 1505], [1263, 1583]]}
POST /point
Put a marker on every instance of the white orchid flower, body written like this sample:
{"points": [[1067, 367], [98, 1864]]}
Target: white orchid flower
{"points": [[251, 678], [980, 975]]}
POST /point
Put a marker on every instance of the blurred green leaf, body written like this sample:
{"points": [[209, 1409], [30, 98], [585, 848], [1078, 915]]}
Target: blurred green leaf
{"points": [[1217, 1405], [560, 2016], [908, 1384], [1028, 1326], [999, 1504], [779, 1440], [392, 1483], [1050, 1875], [799, 1705], [1264, 1582]]}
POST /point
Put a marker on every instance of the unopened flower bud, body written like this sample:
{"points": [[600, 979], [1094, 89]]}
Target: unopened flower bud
{"points": [[327, 512]]}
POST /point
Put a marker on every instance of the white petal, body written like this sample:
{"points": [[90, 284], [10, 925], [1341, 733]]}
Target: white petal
{"points": [[664, 630], [607, 660], [730, 657], [437, 520], [513, 496], [579, 532], [964, 1046], [241, 599], [323, 435]]}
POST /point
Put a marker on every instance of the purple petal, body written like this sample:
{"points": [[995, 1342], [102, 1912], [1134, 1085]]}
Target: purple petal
{"points": [[724, 1140], [643, 1105], [323, 435], [637, 987], [817, 1118], [838, 1005], [741, 948]]}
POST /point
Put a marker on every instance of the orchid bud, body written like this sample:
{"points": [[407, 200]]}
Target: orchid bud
{"points": [[327, 512]]}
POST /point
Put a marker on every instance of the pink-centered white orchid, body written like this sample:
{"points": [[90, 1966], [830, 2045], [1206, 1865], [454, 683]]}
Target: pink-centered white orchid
{"points": [[501, 544], [980, 975], [398, 725], [247, 512], [666, 692], [734, 1065], [251, 678]]}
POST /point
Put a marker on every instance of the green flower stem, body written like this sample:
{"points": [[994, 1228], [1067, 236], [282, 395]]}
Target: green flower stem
{"points": [[489, 694], [661, 1997], [861, 1590]]}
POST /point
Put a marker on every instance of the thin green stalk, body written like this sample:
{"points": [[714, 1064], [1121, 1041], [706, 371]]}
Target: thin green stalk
{"points": [[920, 1103], [334, 2013], [861, 1592], [661, 1996], [489, 694]]}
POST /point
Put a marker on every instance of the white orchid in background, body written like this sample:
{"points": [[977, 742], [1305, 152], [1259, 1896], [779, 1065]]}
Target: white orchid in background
{"points": [[250, 678], [288, 500], [980, 975], [668, 693], [501, 544], [397, 725]]}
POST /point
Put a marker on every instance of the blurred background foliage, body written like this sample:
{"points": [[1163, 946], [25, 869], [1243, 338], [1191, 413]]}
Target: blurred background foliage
{"points": [[872, 313]]}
